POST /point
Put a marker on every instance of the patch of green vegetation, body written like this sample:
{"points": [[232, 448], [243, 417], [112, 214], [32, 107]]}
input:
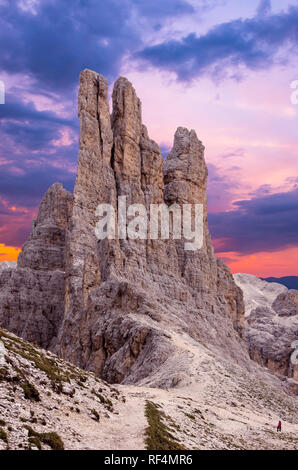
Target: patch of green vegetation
{"points": [[80, 383], [81, 380], [3, 373], [105, 401], [52, 439], [35, 441], [199, 413], [95, 415], [172, 424], [158, 435], [3, 435], [2, 422], [41, 362], [30, 391], [190, 416]]}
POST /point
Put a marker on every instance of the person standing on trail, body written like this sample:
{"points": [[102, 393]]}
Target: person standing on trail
{"points": [[279, 426]]}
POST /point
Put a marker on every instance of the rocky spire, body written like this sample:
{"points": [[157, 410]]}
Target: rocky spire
{"points": [[32, 295], [45, 248], [185, 180], [125, 298], [136, 160], [185, 171], [127, 129], [94, 185]]}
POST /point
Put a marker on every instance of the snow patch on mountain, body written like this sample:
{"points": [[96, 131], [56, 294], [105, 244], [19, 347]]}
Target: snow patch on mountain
{"points": [[7, 264], [258, 293]]}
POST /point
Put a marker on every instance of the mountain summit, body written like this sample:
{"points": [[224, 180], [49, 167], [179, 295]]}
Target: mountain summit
{"points": [[115, 306]]}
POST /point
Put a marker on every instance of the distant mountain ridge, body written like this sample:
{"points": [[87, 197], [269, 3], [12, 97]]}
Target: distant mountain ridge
{"points": [[291, 282], [271, 326]]}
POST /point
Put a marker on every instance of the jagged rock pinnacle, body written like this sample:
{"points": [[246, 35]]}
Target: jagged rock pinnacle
{"points": [[124, 299]]}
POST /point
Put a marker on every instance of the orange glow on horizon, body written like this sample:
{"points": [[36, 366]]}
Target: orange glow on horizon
{"points": [[9, 253], [277, 264], [265, 264]]}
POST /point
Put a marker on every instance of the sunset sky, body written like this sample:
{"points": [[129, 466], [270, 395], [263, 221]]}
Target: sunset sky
{"points": [[221, 67]]}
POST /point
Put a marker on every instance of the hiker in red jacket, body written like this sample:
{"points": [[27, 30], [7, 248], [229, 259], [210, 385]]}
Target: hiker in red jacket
{"points": [[279, 426]]}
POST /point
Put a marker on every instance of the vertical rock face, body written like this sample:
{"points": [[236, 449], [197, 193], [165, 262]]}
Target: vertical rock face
{"points": [[94, 184], [127, 130], [126, 299], [185, 171], [32, 294], [45, 248], [116, 324], [185, 177]]}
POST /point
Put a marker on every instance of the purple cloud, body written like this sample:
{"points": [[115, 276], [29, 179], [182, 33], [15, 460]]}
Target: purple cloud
{"points": [[262, 223], [254, 43]]}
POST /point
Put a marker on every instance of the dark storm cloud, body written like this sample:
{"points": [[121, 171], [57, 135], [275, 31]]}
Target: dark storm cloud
{"points": [[63, 37], [30, 135], [263, 223], [31, 158], [32, 161], [28, 127], [49, 44], [264, 7], [163, 9], [253, 42], [15, 108], [27, 187]]}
